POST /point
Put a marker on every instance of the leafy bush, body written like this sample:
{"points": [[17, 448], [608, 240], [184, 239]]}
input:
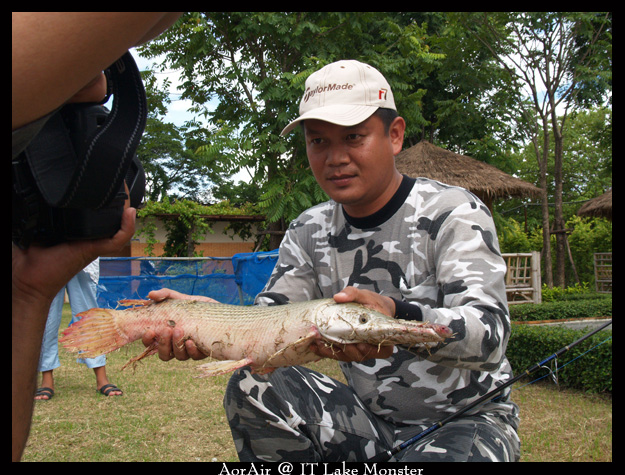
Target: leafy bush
{"points": [[559, 293], [529, 345], [600, 306], [589, 235]]}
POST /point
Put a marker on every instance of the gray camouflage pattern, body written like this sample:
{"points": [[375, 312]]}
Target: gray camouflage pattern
{"points": [[299, 415], [438, 251]]}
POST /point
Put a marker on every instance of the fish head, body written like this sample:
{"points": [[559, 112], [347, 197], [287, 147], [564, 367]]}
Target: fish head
{"points": [[354, 323]]}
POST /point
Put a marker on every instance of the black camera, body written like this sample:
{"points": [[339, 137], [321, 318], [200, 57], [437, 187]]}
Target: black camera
{"points": [[71, 181]]}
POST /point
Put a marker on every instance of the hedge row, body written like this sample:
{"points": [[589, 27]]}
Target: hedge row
{"points": [[587, 308], [530, 344]]}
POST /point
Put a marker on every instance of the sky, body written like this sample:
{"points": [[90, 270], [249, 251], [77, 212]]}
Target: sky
{"points": [[178, 110]]}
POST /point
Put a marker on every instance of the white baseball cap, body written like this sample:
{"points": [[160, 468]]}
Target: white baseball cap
{"points": [[346, 93]]}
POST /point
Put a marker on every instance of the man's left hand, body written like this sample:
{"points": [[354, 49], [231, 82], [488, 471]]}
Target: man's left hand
{"points": [[358, 352]]}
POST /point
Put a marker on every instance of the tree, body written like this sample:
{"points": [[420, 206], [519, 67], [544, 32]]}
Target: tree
{"points": [[565, 60], [256, 64], [166, 151], [587, 158], [471, 103]]}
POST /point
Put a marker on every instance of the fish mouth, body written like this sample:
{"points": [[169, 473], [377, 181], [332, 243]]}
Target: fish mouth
{"points": [[443, 330]]}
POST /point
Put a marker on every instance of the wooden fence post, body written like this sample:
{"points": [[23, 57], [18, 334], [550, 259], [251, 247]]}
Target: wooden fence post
{"points": [[523, 281]]}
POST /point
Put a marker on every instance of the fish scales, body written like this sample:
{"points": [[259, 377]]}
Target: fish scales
{"points": [[264, 337]]}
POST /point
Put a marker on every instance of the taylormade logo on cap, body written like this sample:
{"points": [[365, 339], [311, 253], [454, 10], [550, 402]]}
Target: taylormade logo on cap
{"points": [[330, 87], [345, 93]]}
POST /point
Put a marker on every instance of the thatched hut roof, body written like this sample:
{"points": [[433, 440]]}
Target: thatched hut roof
{"points": [[486, 181], [601, 206]]}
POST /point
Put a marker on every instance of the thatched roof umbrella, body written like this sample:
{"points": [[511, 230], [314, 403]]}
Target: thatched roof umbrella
{"points": [[601, 206], [484, 180]]}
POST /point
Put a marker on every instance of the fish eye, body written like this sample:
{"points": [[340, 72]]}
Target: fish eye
{"points": [[363, 319]]}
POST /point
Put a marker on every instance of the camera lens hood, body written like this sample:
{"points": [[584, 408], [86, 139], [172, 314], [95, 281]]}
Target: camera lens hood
{"points": [[68, 183], [74, 169]]}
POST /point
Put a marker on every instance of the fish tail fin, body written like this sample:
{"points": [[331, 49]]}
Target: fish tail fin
{"points": [[95, 334]]}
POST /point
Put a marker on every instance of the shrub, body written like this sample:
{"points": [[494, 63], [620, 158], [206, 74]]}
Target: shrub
{"points": [[600, 306], [559, 293], [529, 345]]}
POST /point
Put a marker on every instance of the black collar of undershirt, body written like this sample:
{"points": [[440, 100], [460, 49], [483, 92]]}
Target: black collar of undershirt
{"points": [[387, 211]]}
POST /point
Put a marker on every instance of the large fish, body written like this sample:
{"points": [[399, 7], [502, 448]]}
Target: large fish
{"points": [[264, 337]]}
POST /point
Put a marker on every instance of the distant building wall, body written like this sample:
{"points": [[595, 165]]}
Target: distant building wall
{"points": [[216, 244]]}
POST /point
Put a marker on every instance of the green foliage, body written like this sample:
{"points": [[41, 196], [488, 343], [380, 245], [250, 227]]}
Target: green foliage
{"points": [[592, 372], [245, 72], [284, 199], [587, 160], [255, 64], [568, 293], [511, 237], [588, 235], [185, 223], [601, 306]]}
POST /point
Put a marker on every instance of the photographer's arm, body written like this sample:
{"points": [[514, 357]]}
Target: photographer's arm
{"points": [[56, 55], [38, 273]]}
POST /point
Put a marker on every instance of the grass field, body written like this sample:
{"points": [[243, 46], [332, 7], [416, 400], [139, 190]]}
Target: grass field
{"points": [[168, 415]]}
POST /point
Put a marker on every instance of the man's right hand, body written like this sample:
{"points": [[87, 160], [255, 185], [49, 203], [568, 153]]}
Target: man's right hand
{"points": [[171, 342]]}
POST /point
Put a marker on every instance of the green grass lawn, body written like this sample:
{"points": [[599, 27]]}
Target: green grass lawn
{"points": [[168, 415]]}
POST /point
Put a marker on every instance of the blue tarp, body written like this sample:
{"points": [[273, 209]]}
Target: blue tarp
{"points": [[234, 280], [252, 271]]}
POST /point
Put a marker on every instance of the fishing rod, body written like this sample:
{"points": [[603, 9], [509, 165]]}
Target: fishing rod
{"points": [[387, 454]]}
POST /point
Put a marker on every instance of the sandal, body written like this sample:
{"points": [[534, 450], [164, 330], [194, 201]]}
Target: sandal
{"points": [[108, 388], [44, 391]]}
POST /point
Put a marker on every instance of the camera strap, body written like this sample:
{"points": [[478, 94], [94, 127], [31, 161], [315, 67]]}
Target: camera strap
{"points": [[89, 173]]}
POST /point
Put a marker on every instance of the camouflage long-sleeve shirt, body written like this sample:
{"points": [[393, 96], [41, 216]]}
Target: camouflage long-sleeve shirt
{"points": [[433, 248]]}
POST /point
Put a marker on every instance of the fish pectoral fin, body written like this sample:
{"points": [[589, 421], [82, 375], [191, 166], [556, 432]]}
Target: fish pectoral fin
{"points": [[301, 342], [150, 350], [222, 367]]}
